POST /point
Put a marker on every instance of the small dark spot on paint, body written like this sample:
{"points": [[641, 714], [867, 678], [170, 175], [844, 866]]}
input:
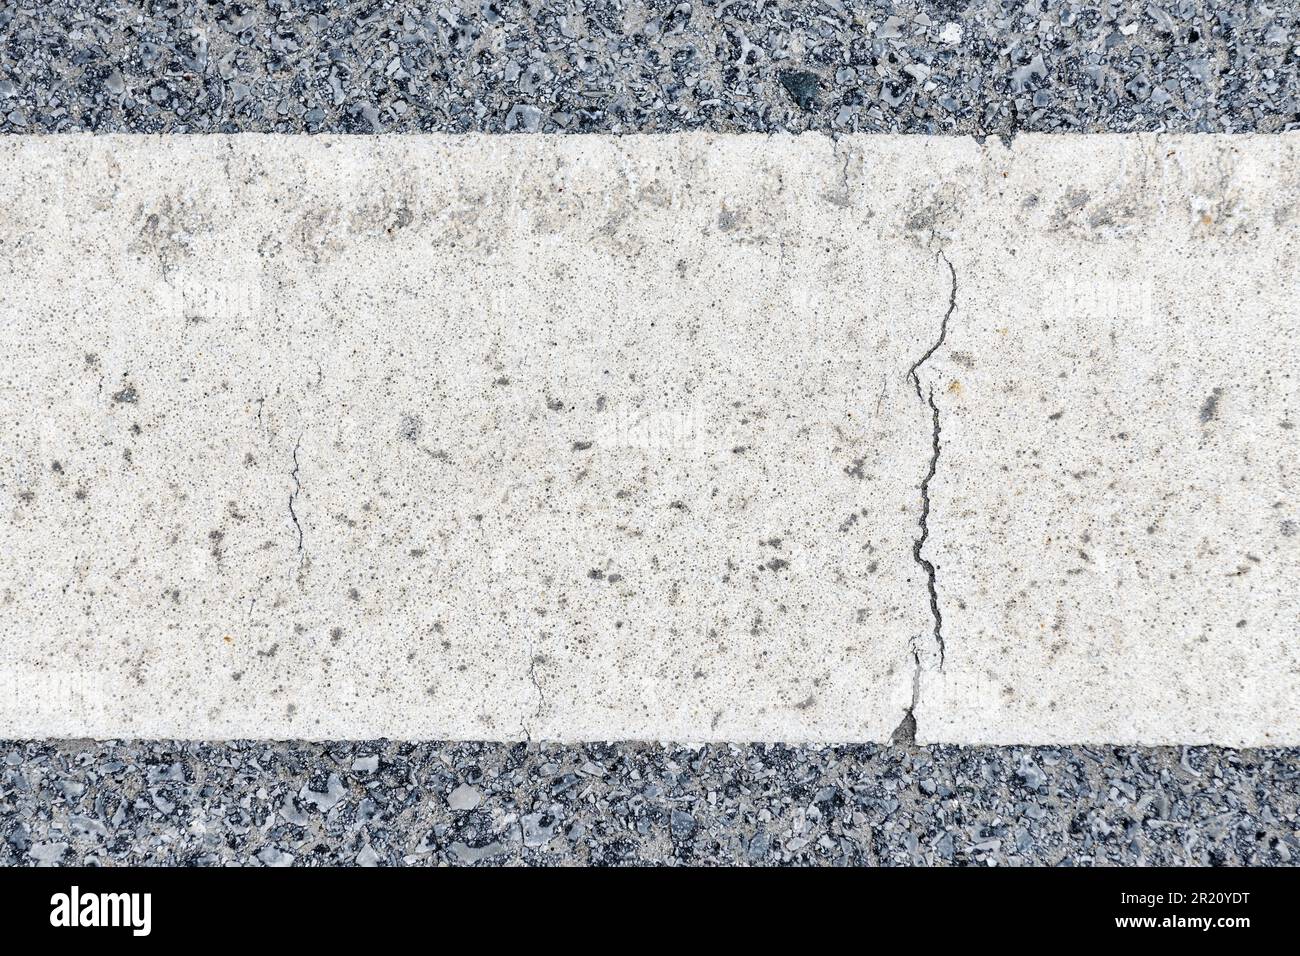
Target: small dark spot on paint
{"points": [[596, 574], [127, 396], [777, 564], [354, 594], [1210, 408], [336, 635], [555, 404], [964, 359], [410, 428], [581, 445], [1056, 416]]}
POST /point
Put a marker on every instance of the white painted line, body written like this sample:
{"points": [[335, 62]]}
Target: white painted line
{"points": [[614, 437], [1118, 517]]}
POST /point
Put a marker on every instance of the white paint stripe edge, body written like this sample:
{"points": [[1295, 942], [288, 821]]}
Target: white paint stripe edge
{"points": [[614, 438]]}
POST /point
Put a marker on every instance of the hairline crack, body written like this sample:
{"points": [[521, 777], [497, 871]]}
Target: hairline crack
{"points": [[293, 496], [904, 734]]}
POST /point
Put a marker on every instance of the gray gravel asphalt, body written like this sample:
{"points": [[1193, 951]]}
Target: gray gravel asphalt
{"points": [[383, 802], [943, 66]]}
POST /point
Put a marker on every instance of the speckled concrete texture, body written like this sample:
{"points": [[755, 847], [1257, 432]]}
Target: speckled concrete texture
{"points": [[692, 437], [1114, 515], [381, 803], [975, 67], [458, 437]]}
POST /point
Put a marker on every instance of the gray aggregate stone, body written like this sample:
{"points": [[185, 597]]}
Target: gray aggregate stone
{"points": [[987, 67], [464, 797], [170, 803]]}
